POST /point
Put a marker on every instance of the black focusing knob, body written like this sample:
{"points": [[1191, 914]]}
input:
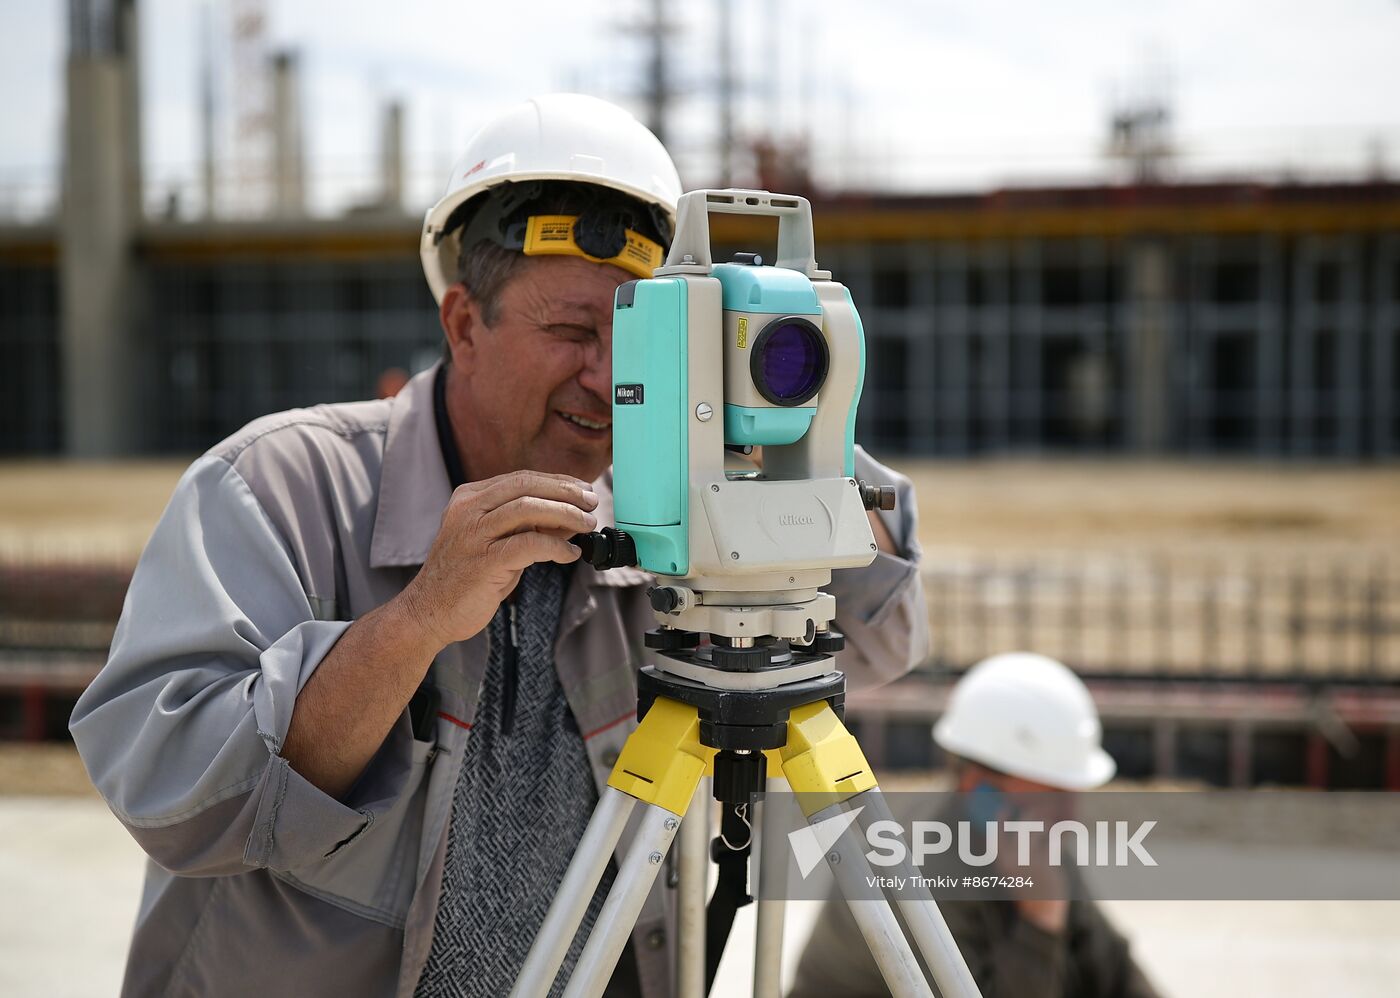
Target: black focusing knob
{"points": [[606, 548]]}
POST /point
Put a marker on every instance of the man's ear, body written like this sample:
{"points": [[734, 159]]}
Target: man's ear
{"points": [[462, 325]]}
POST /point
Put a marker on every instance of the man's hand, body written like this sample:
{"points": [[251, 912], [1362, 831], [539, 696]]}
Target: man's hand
{"points": [[492, 531]]}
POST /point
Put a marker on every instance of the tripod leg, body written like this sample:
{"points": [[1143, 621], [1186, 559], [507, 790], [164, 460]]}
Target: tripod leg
{"points": [[768, 941], [629, 892], [931, 934], [828, 770], [660, 766], [768, 949], [693, 847], [570, 903]]}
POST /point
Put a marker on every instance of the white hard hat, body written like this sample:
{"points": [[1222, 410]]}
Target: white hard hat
{"points": [[569, 137], [1027, 715]]}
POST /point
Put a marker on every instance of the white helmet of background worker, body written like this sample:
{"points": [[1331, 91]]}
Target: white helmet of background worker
{"points": [[1029, 716], [555, 137]]}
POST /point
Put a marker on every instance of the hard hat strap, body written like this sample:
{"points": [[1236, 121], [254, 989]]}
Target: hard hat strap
{"points": [[556, 235]]}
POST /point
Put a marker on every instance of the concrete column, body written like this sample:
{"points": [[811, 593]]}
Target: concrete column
{"points": [[1241, 755], [1164, 749], [101, 211], [289, 192], [391, 162], [1149, 352]]}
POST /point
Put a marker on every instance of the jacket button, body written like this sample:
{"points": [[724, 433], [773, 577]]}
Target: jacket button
{"points": [[656, 938], [610, 758]]}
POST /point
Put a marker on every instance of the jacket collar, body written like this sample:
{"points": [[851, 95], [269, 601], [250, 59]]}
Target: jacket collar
{"points": [[413, 485], [414, 489]]}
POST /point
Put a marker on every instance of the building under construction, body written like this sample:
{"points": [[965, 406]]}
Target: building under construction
{"points": [[1147, 318], [1195, 319]]}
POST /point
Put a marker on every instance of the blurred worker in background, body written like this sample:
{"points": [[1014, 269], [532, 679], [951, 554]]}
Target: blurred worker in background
{"points": [[1015, 724], [363, 695]]}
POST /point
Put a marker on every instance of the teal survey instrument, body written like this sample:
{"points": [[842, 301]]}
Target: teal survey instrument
{"points": [[712, 362]]}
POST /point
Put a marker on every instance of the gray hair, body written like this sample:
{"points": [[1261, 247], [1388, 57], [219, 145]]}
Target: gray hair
{"points": [[486, 269]]}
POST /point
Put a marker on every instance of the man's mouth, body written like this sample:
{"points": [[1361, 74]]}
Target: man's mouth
{"points": [[591, 426]]}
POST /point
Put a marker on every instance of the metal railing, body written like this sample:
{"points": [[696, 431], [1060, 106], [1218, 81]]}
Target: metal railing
{"points": [[1333, 619]]}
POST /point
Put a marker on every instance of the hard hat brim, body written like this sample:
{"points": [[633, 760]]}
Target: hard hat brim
{"points": [[1098, 767]]}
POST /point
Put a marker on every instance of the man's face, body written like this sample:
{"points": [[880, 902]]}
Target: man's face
{"points": [[535, 389]]}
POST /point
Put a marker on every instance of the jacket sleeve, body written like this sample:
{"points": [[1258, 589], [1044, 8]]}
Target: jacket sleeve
{"points": [[881, 608], [182, 729]]}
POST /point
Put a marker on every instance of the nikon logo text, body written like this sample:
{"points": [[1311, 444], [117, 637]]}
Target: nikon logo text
{"points": [[795, 520]]}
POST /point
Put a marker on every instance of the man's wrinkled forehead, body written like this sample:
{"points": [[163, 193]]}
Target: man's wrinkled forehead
{"points": [[544, 299], [546, 306]]}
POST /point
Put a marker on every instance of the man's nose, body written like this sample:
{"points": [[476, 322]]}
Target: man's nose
{"points": [[596, 375]]}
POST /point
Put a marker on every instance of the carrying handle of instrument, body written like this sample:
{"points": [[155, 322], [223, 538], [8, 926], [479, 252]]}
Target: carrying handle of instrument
{"points": [[796, 245]]}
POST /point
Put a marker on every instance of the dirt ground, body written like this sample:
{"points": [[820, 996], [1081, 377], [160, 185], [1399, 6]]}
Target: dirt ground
{"points": [[91, 510], [1025, 505], [42, 769]]}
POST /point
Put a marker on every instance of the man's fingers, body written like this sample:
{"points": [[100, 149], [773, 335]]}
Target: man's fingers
{"points": [[529, 513], [487, 482], [523, 550], [561, 488]]}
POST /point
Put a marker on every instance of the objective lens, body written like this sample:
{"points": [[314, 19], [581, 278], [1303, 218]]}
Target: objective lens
{"points": [[789, 361]]}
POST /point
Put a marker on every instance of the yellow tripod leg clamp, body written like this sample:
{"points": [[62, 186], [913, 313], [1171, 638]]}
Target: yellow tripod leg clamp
{"points": [[663, 761], [821, 760]]}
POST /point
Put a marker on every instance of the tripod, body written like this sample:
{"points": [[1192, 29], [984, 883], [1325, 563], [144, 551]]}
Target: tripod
{"points": [[743, 709]]}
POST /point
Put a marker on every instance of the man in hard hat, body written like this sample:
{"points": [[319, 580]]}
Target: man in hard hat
{"points": [[1016, 723], [363, 694]]}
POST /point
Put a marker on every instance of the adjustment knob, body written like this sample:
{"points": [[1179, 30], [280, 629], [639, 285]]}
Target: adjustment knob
{"points": [[606, 548], [664, 599], [828, 642], [877, 496]]}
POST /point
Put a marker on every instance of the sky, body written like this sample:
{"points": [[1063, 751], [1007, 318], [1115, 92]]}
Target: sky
{"points": [[926, 95]]}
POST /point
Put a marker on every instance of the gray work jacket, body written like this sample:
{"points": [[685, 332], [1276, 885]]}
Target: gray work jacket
{"points": [[274, 541]]}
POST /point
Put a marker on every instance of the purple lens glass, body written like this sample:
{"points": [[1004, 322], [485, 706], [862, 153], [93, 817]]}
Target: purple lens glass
{"points": [[793, 361]]}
